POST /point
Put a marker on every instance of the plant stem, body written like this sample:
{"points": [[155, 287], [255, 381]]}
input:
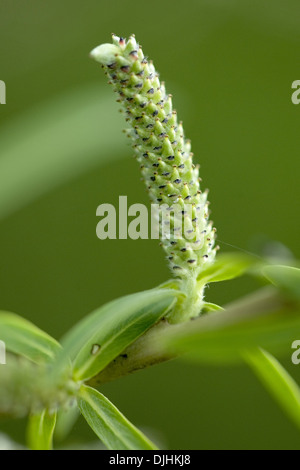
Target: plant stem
{"points": [[146, 351]]}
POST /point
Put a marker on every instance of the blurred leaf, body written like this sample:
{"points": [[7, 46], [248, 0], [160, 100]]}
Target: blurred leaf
{"points": [[114, 430], [227, 266], [105, 333], [22, 337], [6, 443], [277, 381], [209, 307], [66, 419], [40, 430], [57, 141], [221, 336], [286, 278]]}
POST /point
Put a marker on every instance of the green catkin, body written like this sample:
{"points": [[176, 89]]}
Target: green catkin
{"points": [[28, 388], [165, 159]]}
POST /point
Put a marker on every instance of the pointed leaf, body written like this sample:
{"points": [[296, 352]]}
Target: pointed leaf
{"points": [[22, 337], [286, 278], [105, 333], [57, 141], [227, 266], [209, 307], [114, 430], [66, 419], [277, 381], [40, 430]]}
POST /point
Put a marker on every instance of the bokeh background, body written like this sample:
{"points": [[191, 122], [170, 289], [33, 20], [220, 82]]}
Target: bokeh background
{"points": [[229, 65]]}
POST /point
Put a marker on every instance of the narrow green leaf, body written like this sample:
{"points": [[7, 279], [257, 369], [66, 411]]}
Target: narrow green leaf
{"points": [[209, 307], [220, 336], [227, 266], [40, 430], [66, 419], [286, 278], [105, 333], [23, 338], [114, 430], [57, 141], [277, 381]]}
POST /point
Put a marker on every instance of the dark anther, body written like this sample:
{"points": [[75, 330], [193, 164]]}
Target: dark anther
{"points": [[166, 173], [155, 113], [177, 181], [156, 165], [151, 91], [181, 166], [152, 178], [138, 85], [191, 261], [162, 186], [125, 68], [171, 157], [157, 148], [142, 105]]}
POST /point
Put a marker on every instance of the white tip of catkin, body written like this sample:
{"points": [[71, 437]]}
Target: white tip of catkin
{"points": [[105, 54]]}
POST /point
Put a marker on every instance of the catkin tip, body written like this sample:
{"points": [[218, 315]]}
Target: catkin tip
{"points": [[105, 54]]}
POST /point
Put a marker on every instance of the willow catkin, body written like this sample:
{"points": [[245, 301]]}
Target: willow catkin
{"points": [[164, 155]]}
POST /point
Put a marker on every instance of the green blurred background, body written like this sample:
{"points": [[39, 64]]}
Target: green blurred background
{"points": [[229, 65]]}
